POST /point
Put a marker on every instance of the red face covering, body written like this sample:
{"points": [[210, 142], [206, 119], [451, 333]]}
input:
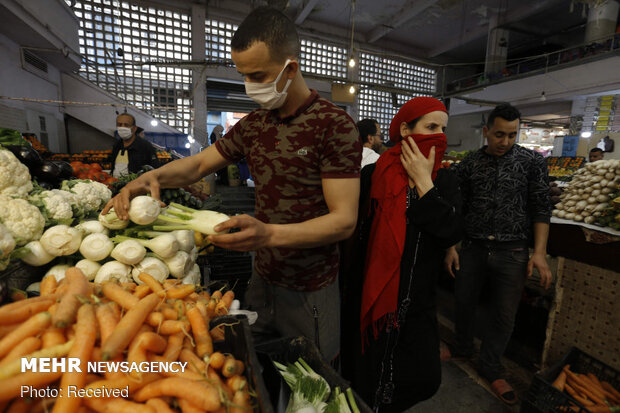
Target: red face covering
{"points": [[387, 235]]}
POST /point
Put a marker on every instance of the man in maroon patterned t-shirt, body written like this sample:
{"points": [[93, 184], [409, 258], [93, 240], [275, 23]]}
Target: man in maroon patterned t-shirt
{"points": [[304, 155]]}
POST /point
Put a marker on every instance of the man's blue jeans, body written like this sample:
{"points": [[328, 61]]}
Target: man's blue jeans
{"points": [[503, 265]]}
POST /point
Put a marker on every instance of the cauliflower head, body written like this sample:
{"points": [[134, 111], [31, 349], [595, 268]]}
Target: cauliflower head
{"points": [[14, 176], [55, 205], [91, 195], [7, 245], [23, 220]]}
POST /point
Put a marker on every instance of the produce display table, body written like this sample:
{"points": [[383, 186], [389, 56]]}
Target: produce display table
{"points": [[586, 309]]}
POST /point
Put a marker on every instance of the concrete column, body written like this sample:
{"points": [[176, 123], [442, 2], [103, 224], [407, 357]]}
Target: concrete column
{"points": [[602, 20], [200, 88], [497, 47]]}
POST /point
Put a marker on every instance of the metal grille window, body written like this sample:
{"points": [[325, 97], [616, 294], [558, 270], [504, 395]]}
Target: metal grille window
{"points": [[382, 106], [323, 59], [218, 37], [118, 39], [395, 73]]}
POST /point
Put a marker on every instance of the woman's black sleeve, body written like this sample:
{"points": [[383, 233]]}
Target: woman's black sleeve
{"points": [[438, 212]]}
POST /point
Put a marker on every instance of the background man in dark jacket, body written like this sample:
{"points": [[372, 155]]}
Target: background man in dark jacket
{"points": [[131, 152]]}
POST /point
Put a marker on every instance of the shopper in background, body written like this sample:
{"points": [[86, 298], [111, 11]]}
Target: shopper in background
{"points": [[409, 213], [505, 205], [131, 151], [216, 134], [596, 154], [304, 154], [370, 135]]}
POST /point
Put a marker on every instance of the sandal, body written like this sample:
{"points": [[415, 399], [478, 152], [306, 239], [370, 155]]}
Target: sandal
{"points": [[504, 391]]}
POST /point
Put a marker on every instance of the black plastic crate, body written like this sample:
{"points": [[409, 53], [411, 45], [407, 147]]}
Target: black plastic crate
{"points": [[542, 397], [238, 342], [288, 350]]}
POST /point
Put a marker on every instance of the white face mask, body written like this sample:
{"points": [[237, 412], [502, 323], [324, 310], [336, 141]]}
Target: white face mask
{"points": [[266, 94], [124, 133]]}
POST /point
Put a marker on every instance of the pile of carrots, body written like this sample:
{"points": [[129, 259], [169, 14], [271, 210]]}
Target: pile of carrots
{"points": [[595, 395], [111, 322]]}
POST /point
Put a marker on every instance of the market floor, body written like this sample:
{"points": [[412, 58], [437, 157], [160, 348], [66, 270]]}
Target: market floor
{"points": [[462, 391]]}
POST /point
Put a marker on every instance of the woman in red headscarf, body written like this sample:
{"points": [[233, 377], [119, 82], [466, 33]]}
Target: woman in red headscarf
{"points": [[409, 215]]}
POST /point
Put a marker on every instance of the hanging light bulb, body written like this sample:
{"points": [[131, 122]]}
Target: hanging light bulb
{"points": [[352, 89], [187, 145], [154, 122], [351, 62], [586, 134], [543, 97]]}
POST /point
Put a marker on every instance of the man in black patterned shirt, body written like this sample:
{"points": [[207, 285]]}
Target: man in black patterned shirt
{"points": [[505, 205]]}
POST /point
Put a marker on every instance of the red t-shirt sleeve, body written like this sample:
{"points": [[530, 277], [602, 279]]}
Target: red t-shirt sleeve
{"points": [[342, 149]]}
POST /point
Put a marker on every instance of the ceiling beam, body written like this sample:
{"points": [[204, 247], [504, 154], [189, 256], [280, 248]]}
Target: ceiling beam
{"points": [[400, 19], [515, 15], [305, 11]]}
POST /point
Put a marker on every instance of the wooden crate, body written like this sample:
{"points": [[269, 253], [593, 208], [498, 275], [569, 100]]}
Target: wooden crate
{"points": [[585, 313]]}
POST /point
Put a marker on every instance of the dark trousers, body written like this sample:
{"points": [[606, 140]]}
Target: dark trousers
{"points": [[287, 313], [503, 266]]}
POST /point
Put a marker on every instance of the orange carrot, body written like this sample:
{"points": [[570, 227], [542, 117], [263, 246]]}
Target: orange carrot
{"points": [[611, 389], [11, 387], [26, 347], [192, 360], [216, 360], [232, 367], [170, 313], [117, 406], [53, 336], [219, 383], [202, 307], [117, 294], [85, 335], [581, 386], [126, 329], [6, 329], [155, 285], [31, 327], [107, 319], [217, 295], [181, 292], [69, 303], [204, 345], [237, 382], [144, 342], [142, 291], [194, 296], [592, 386], [217, 333], [19, 406], [175, 345], [559, 382], [48, 285], [228, 298], [159, 406], [570, 390], [187, 407], [241, 402], [22, 310], [129, 286], [201, 395], [125, 382], [174, 326]]}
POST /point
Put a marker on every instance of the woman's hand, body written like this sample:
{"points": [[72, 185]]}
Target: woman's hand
{"points": [[419, 168]]}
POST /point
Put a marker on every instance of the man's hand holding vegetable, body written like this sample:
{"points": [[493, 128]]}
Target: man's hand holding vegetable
{"points": [[341, 196]]}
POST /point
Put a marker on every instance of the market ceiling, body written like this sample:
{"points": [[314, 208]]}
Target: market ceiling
{"points": [[437, 31]]}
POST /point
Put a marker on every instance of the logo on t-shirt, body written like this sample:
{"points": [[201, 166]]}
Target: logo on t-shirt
{"points": [[302, 151]]}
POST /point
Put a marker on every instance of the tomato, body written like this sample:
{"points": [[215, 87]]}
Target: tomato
{"points": [[95, 167]]}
